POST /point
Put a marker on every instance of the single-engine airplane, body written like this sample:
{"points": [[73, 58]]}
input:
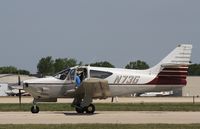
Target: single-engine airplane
{"points": [[101, 83]]}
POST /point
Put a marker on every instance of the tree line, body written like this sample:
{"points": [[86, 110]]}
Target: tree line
{"points": [[13, 70], [49, 66]]}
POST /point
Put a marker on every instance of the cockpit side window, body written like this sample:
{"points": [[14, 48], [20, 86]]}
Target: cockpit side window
{"points": [[99, 74], [72, 74], [62, 75]]}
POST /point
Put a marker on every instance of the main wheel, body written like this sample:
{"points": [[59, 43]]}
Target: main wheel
{"points": [[35, 109], [79, 110], [90, 109]]}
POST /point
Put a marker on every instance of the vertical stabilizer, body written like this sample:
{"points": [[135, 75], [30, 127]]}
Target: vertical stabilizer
{"points": [[180, 56], [173, 69]]}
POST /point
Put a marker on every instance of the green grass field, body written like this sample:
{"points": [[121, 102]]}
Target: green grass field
{"points": [[107, 107], [105, 126]]}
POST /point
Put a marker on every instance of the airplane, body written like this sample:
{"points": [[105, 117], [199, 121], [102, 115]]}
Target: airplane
{"points": [[100, 82]]}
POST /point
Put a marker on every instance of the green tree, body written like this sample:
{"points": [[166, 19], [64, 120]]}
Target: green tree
{"points": [[103, 64], [61, 64], [23, 72], [8, 70], [137, 65], [13, 70], [71, 62], [46, 66], [194, 70]]}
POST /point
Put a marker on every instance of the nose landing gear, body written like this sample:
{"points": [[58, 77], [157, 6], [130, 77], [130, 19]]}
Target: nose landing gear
{"points": [[35, 108]]}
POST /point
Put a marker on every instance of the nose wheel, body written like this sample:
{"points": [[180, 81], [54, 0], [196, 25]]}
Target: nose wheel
{"points": [[35, 109], [89, 109]]}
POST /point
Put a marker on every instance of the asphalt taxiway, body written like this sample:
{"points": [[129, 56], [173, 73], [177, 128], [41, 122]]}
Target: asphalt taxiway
{"points": [[113, 117]]}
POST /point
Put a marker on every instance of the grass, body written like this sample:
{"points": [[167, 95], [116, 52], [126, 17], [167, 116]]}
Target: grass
{"points": [[107, 107], [151, 107], [104, 126]]}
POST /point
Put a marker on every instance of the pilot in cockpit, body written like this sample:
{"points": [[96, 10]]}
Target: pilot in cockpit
{"points": [[78, 80]]}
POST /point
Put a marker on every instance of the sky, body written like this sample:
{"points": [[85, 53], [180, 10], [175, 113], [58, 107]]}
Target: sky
{"points": [[118, 31]]}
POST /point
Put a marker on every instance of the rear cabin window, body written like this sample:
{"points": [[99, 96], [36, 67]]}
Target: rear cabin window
{"points": [[99, 74]]}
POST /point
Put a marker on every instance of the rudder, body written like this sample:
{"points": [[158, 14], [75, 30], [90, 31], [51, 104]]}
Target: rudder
{"points": [[173, 69]]}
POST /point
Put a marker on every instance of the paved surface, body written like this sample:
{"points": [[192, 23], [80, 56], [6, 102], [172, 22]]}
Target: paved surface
{"points": [[119, 100], [114, 117], [119, 117]]}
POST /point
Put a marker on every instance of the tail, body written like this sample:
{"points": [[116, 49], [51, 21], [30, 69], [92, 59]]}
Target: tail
{"points": [[173, 69]]}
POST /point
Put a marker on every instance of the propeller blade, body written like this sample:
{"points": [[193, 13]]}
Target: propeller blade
{"points": [[19, 80], [20, 97]]}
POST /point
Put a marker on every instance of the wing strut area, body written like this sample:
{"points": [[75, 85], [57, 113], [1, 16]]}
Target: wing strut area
{"points": [[91, 89]]}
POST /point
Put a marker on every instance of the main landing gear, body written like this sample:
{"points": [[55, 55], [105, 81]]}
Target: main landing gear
{"points": [[89, 109]]}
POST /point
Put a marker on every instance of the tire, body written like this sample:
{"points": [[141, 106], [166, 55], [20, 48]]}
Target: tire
{"points": [[90, 109], [79, 109], [35, 109]]}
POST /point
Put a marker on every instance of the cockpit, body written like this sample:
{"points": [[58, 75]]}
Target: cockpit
{"points": [[62, 74], [71, 73]]}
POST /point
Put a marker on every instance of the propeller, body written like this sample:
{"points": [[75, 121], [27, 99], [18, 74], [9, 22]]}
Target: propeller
{"points": [[19, 80], [20, 93], [12, 85], [20, 97]]}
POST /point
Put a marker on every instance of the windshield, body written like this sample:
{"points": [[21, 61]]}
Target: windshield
{"points": [[62, 74]]}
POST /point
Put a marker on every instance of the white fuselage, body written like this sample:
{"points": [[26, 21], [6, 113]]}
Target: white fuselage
{"points": [[120, 81]]}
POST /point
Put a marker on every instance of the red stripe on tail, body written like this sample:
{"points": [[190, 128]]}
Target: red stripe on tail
{"points": [[171, 76]]}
